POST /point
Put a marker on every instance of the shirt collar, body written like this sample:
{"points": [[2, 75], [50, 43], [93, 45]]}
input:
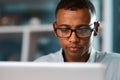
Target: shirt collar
{"points": [[92, 56]]}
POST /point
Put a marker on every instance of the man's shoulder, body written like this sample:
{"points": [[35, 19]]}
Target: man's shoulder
{"points": [[113, 55], [52, 57], [112, 62], [108, 56]]}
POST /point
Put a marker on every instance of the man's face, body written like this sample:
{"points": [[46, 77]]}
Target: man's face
{"points": [[73, 46]]}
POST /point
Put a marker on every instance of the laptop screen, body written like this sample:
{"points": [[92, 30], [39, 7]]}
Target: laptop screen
{"points": [[51, 71]]}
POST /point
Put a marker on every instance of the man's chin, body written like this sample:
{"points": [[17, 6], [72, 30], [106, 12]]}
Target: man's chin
{"points": [[75, 53]]}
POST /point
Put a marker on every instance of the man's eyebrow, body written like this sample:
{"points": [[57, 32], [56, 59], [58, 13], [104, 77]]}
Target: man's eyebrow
{"points": [[79, 25], [83, 25]]}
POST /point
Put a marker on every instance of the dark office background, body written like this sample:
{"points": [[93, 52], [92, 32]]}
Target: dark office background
{"points": [[20, 12]]}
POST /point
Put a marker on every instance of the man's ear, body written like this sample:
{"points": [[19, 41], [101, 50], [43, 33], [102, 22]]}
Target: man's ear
{"points": [[96, 29], [54, 26]]}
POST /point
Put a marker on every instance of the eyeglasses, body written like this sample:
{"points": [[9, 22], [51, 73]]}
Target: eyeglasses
{"points": [[66, 32]]}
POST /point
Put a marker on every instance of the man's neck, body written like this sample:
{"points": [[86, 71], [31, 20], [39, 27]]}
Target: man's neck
{"points": [[83, 58]]}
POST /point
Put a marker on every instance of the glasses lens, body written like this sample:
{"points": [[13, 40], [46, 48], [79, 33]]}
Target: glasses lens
{"points": [[66, 32], [63, 32], [83, 32]]}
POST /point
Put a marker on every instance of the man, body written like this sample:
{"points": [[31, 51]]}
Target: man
{"points": [[75, 27]]}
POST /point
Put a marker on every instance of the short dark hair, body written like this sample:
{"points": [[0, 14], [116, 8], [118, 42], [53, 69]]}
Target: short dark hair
{"points": [[74, 5]]}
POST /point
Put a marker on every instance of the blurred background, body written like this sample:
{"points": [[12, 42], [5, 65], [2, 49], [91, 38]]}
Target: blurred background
{"points": [[26, 28]]}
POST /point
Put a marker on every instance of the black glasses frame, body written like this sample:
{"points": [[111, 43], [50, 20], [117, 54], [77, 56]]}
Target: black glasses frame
{"points": [[72, 30]]}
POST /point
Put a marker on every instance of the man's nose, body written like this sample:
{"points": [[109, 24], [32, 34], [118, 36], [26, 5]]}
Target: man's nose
{"points": [[73, 37]]}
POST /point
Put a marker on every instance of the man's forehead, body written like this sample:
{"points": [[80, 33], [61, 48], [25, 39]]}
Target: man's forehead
{"points": [[85, 12], [78, 16]]}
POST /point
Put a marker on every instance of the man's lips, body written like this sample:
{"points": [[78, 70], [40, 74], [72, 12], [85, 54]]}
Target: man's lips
{"points": [[75, 49]]}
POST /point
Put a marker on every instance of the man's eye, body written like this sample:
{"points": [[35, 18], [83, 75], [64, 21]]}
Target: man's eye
{"points": [[64, 30], [82, 30]]}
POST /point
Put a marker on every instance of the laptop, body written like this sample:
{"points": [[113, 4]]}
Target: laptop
{"points": [[51, 71]]}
